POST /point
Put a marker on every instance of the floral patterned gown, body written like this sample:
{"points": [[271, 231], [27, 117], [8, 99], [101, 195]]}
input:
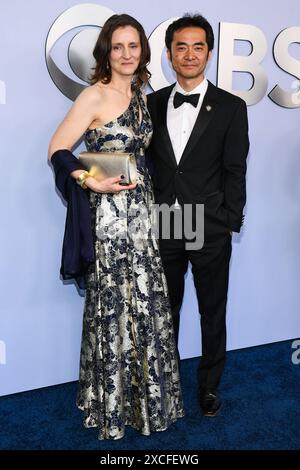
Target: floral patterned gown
{"points": [[128, 363]]}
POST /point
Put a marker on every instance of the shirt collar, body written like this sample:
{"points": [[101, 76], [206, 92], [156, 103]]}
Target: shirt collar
{"points": [[201, 88]]}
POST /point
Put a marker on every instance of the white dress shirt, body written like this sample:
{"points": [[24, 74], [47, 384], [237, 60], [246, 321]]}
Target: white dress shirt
{"points": [[180, 121]]}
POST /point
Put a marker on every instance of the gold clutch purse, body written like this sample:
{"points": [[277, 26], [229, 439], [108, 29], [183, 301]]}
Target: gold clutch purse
{"points": [[103, 165]]}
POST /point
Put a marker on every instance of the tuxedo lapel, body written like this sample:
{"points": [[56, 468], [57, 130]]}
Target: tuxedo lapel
{"points": [[204, 117], [162, 105]]}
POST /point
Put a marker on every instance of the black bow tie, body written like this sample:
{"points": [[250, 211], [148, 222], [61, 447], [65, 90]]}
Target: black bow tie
{"points": [[179, 99]]}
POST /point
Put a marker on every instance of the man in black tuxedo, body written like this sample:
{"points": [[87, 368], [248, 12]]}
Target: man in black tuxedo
{"points": [[198, 156]]}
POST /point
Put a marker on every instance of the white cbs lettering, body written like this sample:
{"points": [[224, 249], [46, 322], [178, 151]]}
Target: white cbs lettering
{"points": [[229, 63], [81, 60], [288, 64]]}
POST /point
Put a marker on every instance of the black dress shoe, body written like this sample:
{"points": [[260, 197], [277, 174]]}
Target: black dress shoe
{"points": [[210, 403]]}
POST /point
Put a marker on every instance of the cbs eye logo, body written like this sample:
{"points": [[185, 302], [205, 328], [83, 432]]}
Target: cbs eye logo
{"points": [[80, 57], [80, 48]]}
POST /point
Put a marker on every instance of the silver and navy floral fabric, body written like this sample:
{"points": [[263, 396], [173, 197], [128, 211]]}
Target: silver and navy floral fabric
{"points": [[128, 365]]}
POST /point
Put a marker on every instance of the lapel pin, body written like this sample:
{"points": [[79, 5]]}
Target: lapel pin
{"points": [[208, 108]]}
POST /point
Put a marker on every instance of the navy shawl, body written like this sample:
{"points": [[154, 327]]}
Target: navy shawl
{"points": [[78, 248]]}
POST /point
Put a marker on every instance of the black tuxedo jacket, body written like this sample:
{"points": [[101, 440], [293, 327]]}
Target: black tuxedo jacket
{"points": [[213, 165]]}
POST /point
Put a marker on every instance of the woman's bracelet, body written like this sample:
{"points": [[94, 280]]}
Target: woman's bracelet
{"points": [[81, 179]]}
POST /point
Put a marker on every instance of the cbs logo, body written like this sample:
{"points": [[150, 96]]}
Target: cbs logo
{"points": [[82, 43]]}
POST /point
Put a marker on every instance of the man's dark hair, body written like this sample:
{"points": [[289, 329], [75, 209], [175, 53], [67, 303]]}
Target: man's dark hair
{"points": [[187, 21]]}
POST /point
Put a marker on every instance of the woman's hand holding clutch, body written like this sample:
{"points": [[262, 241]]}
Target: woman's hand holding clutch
{"points": [[107, 185]]}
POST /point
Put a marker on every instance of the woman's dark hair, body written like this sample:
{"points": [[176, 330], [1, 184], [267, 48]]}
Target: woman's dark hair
{"points": [[102, 71], [186, 21]]}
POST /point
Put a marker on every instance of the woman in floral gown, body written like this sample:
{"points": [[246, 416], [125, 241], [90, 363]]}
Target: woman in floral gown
{"points": [[128, 364]]}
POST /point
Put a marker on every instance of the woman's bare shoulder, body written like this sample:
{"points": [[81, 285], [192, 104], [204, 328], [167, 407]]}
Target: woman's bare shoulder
{"points": [[91, 94]]}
